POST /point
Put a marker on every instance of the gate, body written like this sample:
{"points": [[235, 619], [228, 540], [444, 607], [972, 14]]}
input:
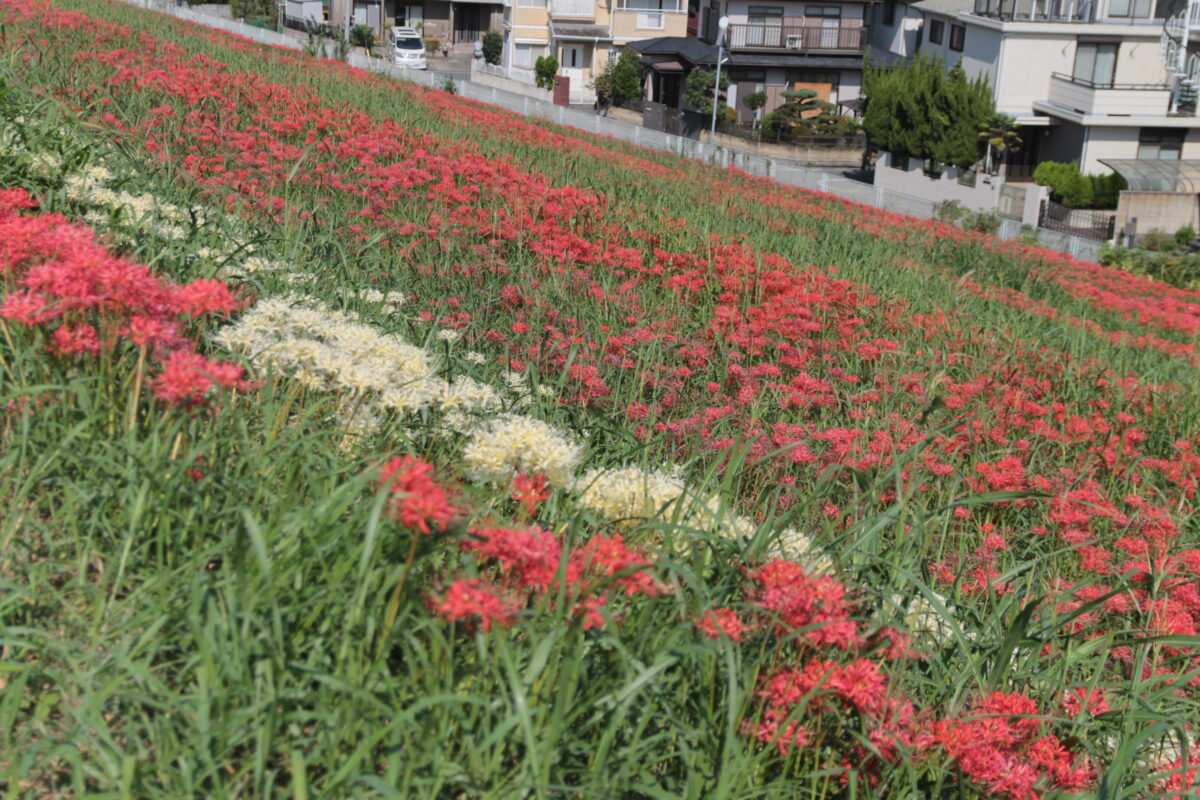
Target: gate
{"points": [[1012, 202], [1083, 222]]}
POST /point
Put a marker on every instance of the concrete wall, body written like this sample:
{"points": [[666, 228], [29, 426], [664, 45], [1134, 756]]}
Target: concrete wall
{"points": [[506, 84], [981, 196], [1164, 211]]}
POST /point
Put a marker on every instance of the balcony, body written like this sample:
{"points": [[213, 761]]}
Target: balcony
{"points": [[797, 39], [580, 9], [1117, 12], [1121, 99]]}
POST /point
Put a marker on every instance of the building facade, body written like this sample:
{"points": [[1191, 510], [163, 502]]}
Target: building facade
{"points": [[1089, 81], [583, 35]]}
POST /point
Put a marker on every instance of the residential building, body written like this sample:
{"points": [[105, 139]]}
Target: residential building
{"points": [[583, 35], [451, 22], [1091, 81], [771, 46]]}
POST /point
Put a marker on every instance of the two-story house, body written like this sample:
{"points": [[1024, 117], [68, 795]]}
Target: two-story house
{"points": [[583, 34], [770, 46], [1090, 81]]}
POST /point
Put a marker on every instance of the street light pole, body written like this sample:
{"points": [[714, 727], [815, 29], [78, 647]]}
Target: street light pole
{"points": [[721, 27]]}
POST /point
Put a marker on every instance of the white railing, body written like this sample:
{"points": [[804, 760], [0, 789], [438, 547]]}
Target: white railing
{"points": [[572, 8]]}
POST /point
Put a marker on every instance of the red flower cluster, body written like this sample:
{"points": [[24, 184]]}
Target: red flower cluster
{"points": [[416, 500], [531, 560], [1001, 744], [90, 301]]}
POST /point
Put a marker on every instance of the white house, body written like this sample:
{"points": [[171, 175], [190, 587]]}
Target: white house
{"points": [[1088, 80]]}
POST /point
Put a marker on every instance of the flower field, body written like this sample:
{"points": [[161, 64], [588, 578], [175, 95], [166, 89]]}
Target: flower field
{"points": [[358, 440]]}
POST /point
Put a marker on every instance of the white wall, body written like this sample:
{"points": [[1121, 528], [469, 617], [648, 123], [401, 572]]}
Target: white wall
{"points": [[981, 196], [1108, 143], [888, 41]]}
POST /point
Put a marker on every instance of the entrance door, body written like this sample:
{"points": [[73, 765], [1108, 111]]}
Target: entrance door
{"points": [[572, 64]]}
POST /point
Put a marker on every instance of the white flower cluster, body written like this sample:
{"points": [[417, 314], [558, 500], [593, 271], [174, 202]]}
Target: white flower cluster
{"points": [[329, 351], [515, 443], [633, 494]]}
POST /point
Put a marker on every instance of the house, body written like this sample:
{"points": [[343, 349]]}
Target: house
{"points": [[1090, 81], [583, 35], [452, 22], [771, 46]]}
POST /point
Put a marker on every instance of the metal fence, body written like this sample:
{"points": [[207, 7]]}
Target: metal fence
{"points": [[782, 171], [1084, 222]]}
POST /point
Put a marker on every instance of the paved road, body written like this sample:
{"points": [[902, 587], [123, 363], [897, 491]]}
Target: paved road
{"points": [[456, 65]]}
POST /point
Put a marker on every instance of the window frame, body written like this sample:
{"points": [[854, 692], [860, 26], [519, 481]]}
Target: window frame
{"points": [[1160, 139], [937, 31], [958, 37]]}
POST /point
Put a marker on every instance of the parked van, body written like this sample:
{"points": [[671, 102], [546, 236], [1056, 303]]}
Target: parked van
{"points": [[406, 49]]}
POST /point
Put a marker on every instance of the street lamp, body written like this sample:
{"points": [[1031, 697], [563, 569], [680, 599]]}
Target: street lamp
{"points": [[722, 25]]}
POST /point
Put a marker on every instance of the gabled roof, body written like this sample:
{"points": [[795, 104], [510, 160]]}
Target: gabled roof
{"points": [[685, 47]]}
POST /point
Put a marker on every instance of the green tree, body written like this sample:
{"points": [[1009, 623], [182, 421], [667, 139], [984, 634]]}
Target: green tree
{"points": [[923, 111], [698, 90], [999, 137], [626, 78], [754, 101], [493, 47]]}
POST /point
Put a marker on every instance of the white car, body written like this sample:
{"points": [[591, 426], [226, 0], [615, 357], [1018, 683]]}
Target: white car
{"points": [[406, 49]]}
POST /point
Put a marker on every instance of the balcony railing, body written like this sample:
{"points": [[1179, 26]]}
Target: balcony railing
{"points": [[649, 5], [798, 38], [1090, 97], [1124, 12], [573, 8]]}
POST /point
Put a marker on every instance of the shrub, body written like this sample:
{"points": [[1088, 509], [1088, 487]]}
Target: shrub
{"points": [[545, 68], [949, 211], [982, 221], [1076, 190], [362, 36], [493, 47], [1185, 235]]}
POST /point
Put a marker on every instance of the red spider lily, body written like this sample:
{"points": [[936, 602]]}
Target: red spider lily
{"points": [[530, 491], [417, 501], [476, 602]]}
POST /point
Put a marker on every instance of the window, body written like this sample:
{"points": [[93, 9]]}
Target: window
{"points": [[765, 26], [937, 30], [1135, 9], [526, 55], [958, 35], [889, 13], [823, 11], [810, 76], [748, 75], [1163, 144], [1095, 64], [531, 3]]}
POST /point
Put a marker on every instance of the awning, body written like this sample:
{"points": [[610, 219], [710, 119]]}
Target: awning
{"points": [[579, 32], [667, 66], [1153, 175]]}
